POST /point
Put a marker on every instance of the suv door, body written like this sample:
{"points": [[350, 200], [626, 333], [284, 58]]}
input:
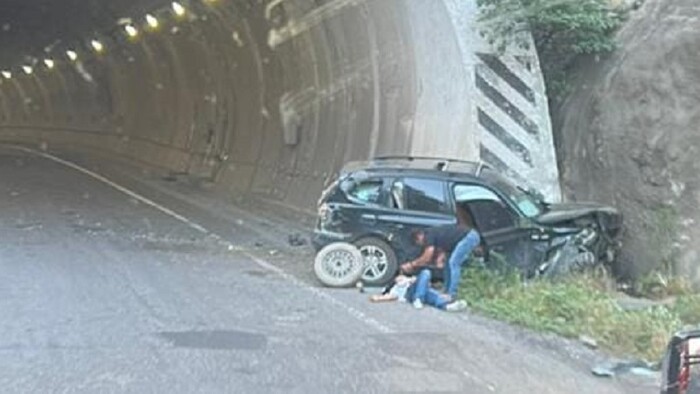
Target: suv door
{"points": [[415, 203], [500, 227]]}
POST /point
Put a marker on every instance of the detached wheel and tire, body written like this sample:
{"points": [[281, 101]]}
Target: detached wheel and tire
{"points": [[339, 265], [379, 261]]}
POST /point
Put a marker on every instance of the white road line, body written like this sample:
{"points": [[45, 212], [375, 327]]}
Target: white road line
{"points": [[115, 186], [354, 312]]}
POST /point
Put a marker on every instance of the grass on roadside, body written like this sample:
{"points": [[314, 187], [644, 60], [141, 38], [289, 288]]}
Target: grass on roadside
{"points": [[576, 306]]}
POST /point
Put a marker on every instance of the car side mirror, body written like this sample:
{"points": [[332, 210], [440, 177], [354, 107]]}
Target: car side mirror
{"points": [[682, 354]]}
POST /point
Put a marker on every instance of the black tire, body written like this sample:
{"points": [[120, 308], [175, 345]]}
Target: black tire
{"points": [[380, 261], [339, 265]]}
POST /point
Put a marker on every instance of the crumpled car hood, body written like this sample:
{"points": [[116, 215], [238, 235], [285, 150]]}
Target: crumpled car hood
{"points": [[568, 211]]}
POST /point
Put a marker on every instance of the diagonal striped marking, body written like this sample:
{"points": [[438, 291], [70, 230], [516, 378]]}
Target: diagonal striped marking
{"points": [[495, 129], [513, 160], [503, 72], [507, 91], [517, 68], [491, 159], [507, 122], [497, 98]]}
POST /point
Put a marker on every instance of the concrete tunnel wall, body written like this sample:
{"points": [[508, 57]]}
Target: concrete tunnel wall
{"points": [[272, 97]]}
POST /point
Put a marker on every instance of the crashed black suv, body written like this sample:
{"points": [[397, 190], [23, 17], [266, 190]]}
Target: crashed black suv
{"points": [[376, 205]]}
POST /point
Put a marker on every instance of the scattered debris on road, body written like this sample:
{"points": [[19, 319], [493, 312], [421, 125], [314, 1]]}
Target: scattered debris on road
{"points": [[612, 368], [30, 226], [588, 342], [296, 240]]}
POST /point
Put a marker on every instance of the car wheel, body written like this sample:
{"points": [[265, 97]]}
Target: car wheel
{"points": [[339, 265], [379, 259]]}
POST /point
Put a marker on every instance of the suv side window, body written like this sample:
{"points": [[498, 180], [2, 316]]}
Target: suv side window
{"points": [[418, 194], [489, 211], [368, 191]]}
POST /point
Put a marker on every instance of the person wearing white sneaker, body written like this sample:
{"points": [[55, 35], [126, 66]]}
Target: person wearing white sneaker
{"points": [[456, 306], [422, 294]]}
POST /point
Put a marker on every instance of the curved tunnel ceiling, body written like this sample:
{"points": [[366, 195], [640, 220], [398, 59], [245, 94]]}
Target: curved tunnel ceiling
{"points": [[272, 97], [29, 26]]}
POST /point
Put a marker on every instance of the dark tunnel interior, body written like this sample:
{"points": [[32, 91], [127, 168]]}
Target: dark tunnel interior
{"points": [[209, 93]]}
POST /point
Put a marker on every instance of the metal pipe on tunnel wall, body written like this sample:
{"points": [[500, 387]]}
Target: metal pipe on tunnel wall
{"points": [[272, 97]]}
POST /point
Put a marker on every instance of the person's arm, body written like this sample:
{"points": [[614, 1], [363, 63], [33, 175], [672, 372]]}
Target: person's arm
{"points": [[423, 260], [440, 259], [383, 298]]}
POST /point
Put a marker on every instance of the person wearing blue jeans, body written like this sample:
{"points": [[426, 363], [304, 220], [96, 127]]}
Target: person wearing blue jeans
{"points": [[421, 293], [459, 256], [456, 240]]}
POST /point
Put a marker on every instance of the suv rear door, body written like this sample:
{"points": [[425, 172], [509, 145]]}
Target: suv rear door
{"points": [[415, 202]]}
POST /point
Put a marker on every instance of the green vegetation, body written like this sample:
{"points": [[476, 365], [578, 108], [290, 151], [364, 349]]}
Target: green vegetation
{"points": [[580, 305], [562, 31]]}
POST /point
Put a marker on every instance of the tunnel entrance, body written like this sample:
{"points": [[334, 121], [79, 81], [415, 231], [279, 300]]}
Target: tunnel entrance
{"points": [[271, 97]]}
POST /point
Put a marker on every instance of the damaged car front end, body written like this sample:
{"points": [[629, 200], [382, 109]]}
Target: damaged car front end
{"points": [[584, 236]]}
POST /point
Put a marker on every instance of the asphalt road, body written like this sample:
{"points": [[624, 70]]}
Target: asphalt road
{"points": [[100, 292]]}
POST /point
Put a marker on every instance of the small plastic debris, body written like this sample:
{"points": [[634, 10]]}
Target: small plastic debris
{"points": [[30, 226], [588, 342], [612, 368], [646, 372], [273, 252], [604, 371], [296, 240]]}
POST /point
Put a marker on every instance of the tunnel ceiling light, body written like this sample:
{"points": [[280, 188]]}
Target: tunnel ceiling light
{"points": [[72, 55], [131, 31], [27, 70], [178, 9], [6, 74], [49, 63], [152, 21], [97, 46]]}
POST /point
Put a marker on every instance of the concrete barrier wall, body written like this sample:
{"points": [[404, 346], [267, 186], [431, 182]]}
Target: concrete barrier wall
{"points": [[272, 97]]}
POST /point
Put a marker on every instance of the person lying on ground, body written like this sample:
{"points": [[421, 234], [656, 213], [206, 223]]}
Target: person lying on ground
{"points": [[456, 240], [417, 290], [396, 291], [420, 293]]}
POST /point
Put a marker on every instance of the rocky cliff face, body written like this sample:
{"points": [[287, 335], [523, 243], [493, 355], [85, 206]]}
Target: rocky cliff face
{"points": [[630, 135]]}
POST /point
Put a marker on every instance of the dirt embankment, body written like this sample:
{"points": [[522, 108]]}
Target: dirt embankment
{"points": [[630, 135]]}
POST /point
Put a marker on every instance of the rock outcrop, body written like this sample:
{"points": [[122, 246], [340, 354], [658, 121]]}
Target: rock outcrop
{"points": [[630, 136]]}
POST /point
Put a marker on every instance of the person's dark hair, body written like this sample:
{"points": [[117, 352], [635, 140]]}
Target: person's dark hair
{"points": [[415, 234]]}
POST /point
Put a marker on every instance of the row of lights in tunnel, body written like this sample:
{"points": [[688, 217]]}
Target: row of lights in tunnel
{"points": [[132, 32]]}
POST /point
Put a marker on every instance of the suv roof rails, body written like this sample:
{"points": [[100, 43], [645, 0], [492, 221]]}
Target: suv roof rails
{"points": [[423, 158], [416, 162], [441, 164]]}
